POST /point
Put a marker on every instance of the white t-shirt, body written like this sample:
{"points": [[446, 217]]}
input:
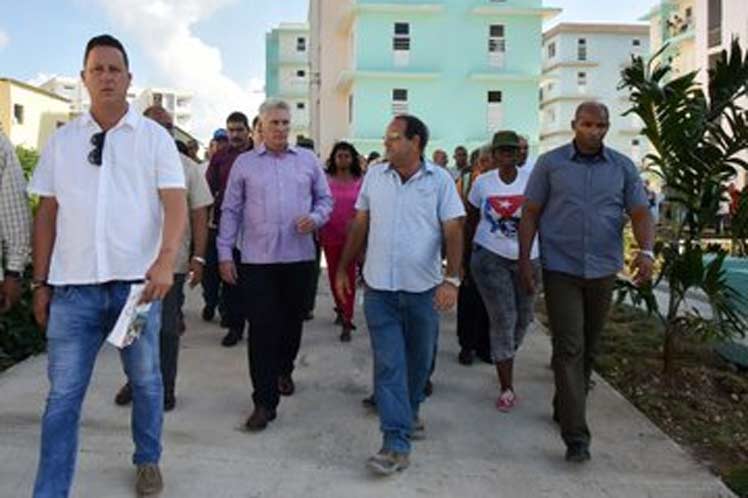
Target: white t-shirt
{"points": [[109, 217], [500, 206]]}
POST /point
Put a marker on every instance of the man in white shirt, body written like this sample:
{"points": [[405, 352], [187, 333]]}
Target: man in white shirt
{"points": [[112, 212]]}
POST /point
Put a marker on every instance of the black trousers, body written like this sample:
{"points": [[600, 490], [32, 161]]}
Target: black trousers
{"points": [[171, 306], [216, 293], [211, 280], [275, 298], [473, 325], [232, 301]]}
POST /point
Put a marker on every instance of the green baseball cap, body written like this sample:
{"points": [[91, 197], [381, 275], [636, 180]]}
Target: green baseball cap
{"points": [[505, 138]]}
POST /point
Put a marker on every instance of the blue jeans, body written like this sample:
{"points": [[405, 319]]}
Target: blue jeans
{"points": [[403, 328], [81, 316]]}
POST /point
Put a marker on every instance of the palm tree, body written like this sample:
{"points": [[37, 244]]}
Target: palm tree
{"points": [[696, 140]]}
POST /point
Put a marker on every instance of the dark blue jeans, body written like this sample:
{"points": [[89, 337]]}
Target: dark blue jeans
{"points": [[403, 328], [81, 316]]}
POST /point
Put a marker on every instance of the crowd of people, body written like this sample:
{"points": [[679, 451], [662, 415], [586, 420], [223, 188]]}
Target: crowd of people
{"points": [[121, 204]]}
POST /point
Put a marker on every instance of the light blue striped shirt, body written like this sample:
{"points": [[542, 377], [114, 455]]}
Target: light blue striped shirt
{"points": [[405, 226]]}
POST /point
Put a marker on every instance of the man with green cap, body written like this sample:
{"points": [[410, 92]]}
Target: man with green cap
{"points": [[495, 209]]}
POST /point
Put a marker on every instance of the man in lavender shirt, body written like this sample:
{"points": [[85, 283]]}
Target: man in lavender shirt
{"points": [[277, 195]]}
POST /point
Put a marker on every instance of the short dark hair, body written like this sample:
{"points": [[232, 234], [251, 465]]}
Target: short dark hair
{"points": [[413, 127], [255, 121], [238, 117], [105, 41], [304, 142], [460, 147], [592, 106], [332, 168]]}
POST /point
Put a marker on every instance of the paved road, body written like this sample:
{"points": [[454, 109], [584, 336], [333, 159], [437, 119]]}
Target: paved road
{"points": [[318, 444]]}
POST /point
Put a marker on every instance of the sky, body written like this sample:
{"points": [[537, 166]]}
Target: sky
{"points": [[214, 48]]}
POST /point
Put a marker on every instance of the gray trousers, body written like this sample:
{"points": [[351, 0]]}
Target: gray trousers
{"points": [[509, 306], [171, 307], [577, 311]]}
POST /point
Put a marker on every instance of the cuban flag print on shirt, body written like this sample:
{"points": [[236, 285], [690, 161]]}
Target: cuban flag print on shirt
{"points": [[503, 212], [500, 206]]}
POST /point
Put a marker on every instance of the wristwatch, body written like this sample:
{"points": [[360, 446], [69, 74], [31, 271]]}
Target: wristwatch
{"points": [[452, 280], [199, 260], [648, 253], [38, 284]]}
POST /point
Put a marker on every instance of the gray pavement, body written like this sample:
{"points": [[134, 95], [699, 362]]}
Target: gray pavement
{"points": [[318, 445]]}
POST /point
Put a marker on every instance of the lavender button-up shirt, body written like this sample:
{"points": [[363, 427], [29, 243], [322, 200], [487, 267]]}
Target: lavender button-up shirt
{"points": [[267, 193]]}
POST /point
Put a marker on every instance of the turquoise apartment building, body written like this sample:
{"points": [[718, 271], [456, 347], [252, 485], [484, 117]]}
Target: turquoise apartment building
{"points": [[466, 67], [287, 72]]}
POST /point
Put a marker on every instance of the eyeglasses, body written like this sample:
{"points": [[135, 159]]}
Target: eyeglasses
{"points": [[97, 140]]}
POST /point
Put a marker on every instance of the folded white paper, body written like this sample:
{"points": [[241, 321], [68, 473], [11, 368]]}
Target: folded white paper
{"points": [[132, 319]]}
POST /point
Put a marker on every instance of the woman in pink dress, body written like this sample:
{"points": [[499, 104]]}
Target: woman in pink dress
{"points": [[344, 176]]}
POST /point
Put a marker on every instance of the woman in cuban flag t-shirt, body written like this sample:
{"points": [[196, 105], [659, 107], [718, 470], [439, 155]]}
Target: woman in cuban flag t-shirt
{"points": [[496, 198]]}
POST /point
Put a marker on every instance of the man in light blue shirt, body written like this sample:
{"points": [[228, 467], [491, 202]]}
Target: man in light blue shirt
{"points": [[409, 208]]}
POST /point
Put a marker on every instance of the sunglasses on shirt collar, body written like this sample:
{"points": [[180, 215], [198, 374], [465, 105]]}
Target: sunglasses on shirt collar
{"points": [[97, 140]]}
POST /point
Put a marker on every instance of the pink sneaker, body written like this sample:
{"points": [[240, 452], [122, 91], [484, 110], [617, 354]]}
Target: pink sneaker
{"points": [[506, 401]]}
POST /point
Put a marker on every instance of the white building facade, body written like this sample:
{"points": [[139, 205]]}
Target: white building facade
{"points": [[583, 61]]}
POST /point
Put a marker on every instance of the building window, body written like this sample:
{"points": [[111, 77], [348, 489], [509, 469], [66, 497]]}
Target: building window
{"points": [[635, 150], [582, 82], [301, 44], [350, 108], [636, 42], [401, 44], [581, 49], [301, 74], [552, 50], [300, 106], [550, 116], [399, 101], [18, 113], [714, 23], [494, 115], [496, 45]]}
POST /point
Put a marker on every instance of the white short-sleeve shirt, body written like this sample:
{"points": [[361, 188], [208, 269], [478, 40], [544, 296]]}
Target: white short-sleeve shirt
{"points": [[110, 217], [500, 206]]}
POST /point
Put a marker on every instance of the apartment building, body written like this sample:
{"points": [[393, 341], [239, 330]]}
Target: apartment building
{"points": [[287, 74], [29, 114], [466, 67], [583, 61]]}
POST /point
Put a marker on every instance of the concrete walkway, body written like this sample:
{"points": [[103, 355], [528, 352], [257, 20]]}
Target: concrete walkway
{"points": [[318, 445]]}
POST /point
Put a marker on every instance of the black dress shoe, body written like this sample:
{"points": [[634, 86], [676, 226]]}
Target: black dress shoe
{"points": [[465, 357], [124, 396], [429, 389], [208, 313], [231, 338], [259, 419], [370, 402], [286, 386], [577, 453], [170, 401]]}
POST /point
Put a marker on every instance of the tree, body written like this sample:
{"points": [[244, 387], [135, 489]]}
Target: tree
{"points": [[696, 141], [28, 158]]}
